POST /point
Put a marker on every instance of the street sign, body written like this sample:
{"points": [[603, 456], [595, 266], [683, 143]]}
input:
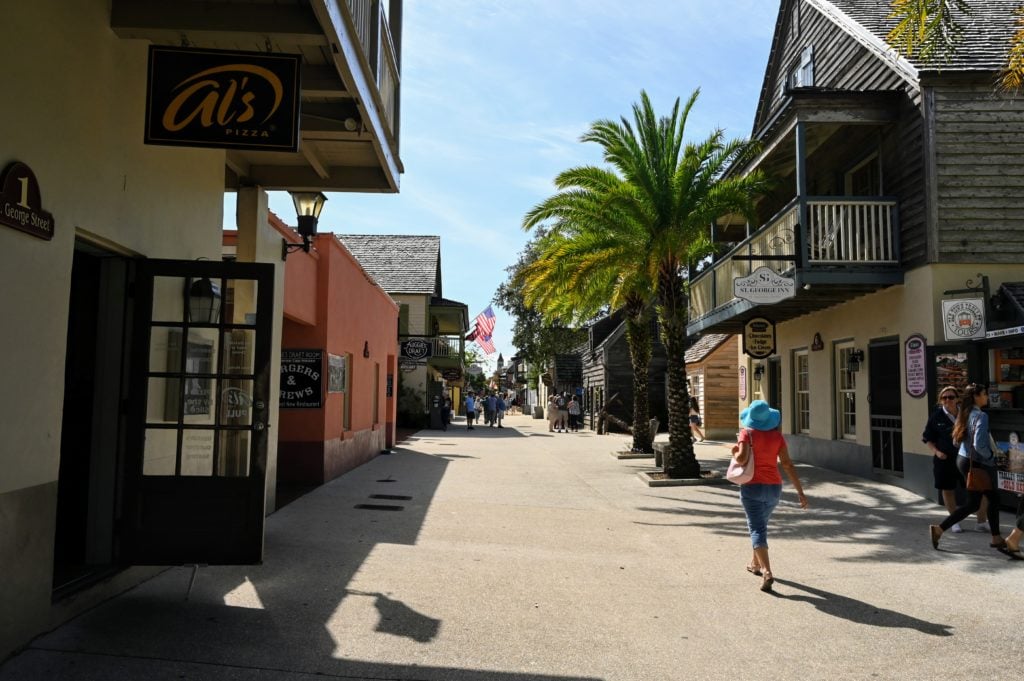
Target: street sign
{"points": [[415, 349]]}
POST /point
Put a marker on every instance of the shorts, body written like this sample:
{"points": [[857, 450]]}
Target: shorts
{"points": [[695, 421], [947, 475]]}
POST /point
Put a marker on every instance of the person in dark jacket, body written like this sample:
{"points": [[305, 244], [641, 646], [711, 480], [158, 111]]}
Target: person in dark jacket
{"points": [[938, 437]]}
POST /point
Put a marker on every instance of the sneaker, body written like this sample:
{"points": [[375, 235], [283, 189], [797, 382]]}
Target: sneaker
{"points": [[956, 528], [983, 527]]}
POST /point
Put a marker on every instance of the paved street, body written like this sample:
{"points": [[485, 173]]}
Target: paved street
{"points": [[528, 555]]}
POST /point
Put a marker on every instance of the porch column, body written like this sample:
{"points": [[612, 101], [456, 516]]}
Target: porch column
{"points": [[801, 189], [257, 242]]}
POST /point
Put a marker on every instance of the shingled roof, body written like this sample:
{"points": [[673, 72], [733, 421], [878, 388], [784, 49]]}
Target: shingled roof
{"points": [[707, 344], [987, 31], [399, 263]]}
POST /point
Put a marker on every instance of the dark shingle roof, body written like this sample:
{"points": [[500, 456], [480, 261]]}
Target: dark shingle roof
{"points": [[707, 344], [987, 31], [399, 263]]}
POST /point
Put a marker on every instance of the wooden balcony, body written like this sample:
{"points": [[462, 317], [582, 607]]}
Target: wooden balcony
{"points": [[447, 351], [846, 247]]}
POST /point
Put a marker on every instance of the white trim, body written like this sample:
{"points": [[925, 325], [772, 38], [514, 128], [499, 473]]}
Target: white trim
{"points": [[900, 64]]}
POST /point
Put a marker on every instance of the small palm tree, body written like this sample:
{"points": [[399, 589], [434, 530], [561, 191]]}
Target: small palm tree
{"points": [[671, 192], [591, 258]]}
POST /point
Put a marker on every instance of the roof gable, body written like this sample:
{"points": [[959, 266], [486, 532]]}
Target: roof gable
{"points": [[707, 344], [399, 263]]}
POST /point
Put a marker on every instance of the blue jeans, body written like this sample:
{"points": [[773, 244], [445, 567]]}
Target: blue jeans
{"points": [[759, 501]]}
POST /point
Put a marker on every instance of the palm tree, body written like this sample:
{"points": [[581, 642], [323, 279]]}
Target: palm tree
{"points": [[668, 192], [591, 258]]}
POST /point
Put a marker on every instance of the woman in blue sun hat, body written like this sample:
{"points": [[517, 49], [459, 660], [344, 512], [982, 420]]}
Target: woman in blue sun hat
{"points": [[761, 494]]}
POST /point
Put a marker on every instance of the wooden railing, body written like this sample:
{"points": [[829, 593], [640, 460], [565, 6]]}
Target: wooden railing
{"points": [[445, 346], [374, 34], [840, 231]]}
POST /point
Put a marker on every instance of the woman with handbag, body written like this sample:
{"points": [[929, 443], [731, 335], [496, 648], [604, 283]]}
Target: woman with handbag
{"points": [[760, 494], [977, 462]]}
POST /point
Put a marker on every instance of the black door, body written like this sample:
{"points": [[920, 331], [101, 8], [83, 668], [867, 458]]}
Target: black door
{"points": [[775, 382], [196, 452], [885, 397]]}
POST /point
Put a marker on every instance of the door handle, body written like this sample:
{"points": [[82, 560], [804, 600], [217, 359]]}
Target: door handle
{"points": [[258, 426]]}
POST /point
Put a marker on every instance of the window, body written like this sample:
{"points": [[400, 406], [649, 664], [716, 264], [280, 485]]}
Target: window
{"points": [[865, 178], [801, 392], [346, 417], [376, 393], [846, 394], [803, 75], [794, 22]]}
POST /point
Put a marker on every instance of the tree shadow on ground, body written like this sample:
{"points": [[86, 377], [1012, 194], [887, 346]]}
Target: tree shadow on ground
{"points": [[886, 523], [398, 619], [859, 612]]}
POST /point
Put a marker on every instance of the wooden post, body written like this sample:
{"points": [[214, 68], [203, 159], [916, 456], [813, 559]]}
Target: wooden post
{"points": [[801, 190]]}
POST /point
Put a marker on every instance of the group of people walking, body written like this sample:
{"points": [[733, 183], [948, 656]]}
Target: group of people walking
{"points": [[964, 457], [564, 413], [491, 404]]}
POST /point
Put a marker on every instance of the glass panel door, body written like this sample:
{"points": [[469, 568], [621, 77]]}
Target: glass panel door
{"points": [[196, 454]]}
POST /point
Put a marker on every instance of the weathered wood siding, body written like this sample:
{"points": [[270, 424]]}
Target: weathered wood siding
{"points": [[979, 173], [610, 369], [841, 63], [719, 389]]}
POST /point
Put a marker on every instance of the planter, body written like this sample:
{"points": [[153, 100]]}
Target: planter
{"points": [[632, 455], [657, 479]]}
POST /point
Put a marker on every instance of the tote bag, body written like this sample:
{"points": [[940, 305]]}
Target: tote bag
{"points": [[742, 474]]}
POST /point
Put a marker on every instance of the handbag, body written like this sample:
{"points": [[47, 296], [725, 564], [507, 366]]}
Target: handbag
{"points": [[978, 479], [742, 473]]}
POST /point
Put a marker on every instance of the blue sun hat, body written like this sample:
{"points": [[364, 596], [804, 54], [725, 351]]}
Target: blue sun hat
{"points": [[760, 416]]}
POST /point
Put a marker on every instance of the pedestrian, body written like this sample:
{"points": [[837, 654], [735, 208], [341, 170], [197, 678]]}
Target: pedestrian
{"points": [[574, 414], [760, 496], [490, 407], [938, 437], [552, 413], [470, 410], [562, 402], [970, 432], [695, 421], [1013, 539], [499, 410], [446, 413]]}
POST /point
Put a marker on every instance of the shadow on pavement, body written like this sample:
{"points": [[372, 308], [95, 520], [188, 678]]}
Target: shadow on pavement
{"points": [[859, 612]]}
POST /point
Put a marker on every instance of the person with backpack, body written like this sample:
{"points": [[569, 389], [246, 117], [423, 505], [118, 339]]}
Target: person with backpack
{"points": [[562, 418]]}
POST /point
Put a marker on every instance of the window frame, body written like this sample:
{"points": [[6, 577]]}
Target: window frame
{"points": [[841, 350], [801, 414]]}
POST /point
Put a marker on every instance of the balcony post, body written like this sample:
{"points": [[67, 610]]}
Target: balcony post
{"points": [[801, 190]]}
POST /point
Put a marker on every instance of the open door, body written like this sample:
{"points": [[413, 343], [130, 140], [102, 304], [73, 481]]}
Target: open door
{"points": [[194, 468]]}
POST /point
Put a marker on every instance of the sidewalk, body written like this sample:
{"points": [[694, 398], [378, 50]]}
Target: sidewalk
{"points": [[528, 555]]}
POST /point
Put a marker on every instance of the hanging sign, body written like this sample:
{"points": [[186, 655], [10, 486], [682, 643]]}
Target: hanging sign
{"points": [[415, 349], [743, 382], [222, 99], [915, 363], [764, 286], [474, 370], [451, 374], [408, 365], [302, 379], [963, 318], [22, 202], [759, 338]]}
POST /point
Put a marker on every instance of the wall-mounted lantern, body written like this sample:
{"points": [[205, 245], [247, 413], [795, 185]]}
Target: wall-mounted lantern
{"points": [[758, 372], [366, 348], [307, 214], [202, 301]]}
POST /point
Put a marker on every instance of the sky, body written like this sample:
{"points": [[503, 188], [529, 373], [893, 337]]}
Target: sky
{"points": [[496, 93]]}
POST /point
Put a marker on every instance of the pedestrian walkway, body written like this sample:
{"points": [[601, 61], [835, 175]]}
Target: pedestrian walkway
{"points": [[518, 554]]}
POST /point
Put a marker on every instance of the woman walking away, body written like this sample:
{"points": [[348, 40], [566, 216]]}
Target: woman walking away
{"points": [[971, 433], [574, 414], [760, 496], [695, 422]]}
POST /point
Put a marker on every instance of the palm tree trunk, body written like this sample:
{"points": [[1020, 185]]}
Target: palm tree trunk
{"points": [[638, 336], [680, 460]]}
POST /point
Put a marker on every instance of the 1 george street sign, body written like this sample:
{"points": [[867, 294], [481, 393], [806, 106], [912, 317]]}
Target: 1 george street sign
{"points": [[764, 286]]}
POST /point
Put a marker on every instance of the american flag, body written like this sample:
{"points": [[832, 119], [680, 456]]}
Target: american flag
{"points": [[483, 325]]}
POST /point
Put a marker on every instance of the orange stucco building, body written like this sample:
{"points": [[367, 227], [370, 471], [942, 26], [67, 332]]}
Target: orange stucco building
{"points": [[338, 346]]}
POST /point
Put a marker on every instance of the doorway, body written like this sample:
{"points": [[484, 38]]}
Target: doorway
{"points": [[93, 370], [775, 382], [885, 397]]}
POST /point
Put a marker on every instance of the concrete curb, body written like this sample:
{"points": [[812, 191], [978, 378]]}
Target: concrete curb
{"points": [[679, 482], [632, 455]]}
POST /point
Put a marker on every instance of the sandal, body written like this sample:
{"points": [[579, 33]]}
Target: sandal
{"points": [[935, 531], [767, 581], [754, 570], [1007, 551], [999, 545]]}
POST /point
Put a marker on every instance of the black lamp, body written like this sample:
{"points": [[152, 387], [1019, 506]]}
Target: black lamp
{"points": [[366, 348], [855, 360], [307, 210], [202, 297], [758, 371]]}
